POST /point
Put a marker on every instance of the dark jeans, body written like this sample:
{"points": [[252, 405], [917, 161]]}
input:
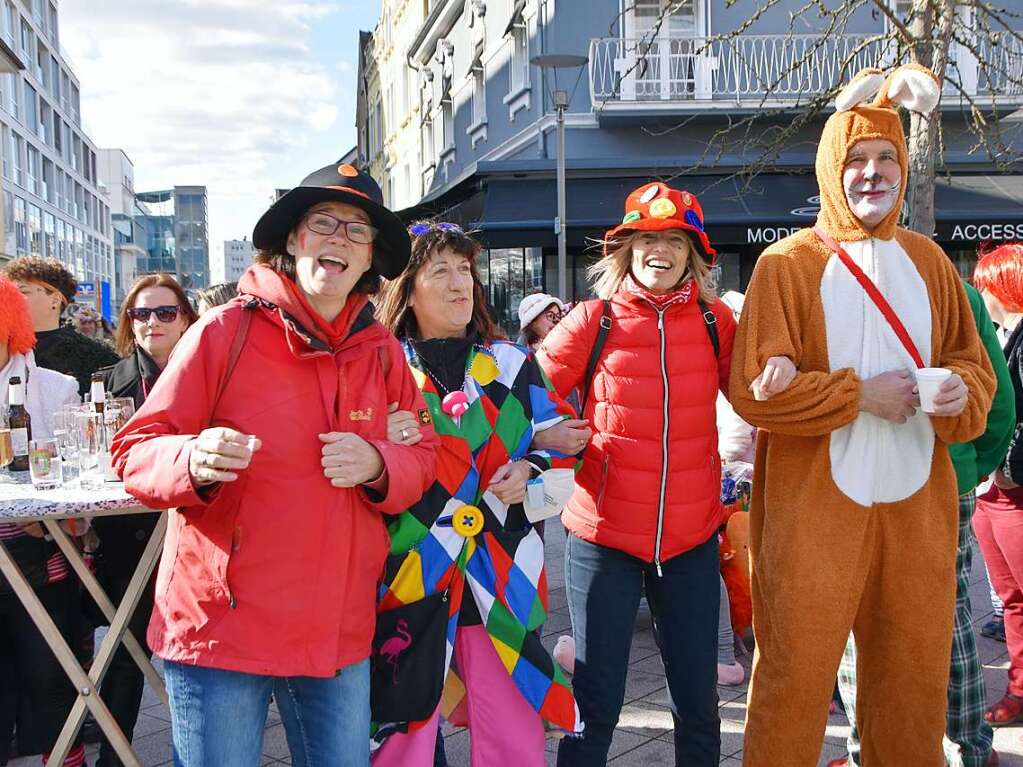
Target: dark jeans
{"points": [[30, 673], [603, 588], [123, 684]]}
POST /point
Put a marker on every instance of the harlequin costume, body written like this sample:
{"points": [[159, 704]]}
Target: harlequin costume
{"points": [[459, 540], [854, 518]]}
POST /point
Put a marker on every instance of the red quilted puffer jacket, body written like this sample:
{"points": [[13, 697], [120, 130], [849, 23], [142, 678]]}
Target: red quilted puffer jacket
{"points": [[650, 481]]}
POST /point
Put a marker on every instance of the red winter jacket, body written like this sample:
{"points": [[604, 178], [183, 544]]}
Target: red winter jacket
{"points": [[276, 572], [650, 481]]}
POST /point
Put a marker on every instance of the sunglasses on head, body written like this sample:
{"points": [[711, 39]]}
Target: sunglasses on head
{"points": [[421, 229], [163, 313]]}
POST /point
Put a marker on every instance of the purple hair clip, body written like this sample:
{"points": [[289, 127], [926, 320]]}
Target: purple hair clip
{"points": [[420, 229]]}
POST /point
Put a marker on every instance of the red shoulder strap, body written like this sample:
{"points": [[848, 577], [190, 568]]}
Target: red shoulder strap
{"points": [[240, 334], [875, 295]]}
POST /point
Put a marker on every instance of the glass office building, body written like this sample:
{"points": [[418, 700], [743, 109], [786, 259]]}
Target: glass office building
{"points": [[177, 234]]}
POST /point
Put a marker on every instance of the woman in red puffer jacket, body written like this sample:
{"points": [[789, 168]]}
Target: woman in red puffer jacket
{"points": [[647, 507]]}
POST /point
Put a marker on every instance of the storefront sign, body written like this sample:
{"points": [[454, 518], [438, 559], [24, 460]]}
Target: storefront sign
{"points": [[765, 235], [992, 231]]}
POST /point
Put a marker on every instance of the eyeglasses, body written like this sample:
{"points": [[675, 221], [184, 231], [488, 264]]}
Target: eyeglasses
{"points": [[553, 316], [358, 232], [420, 229], [163, 313]]}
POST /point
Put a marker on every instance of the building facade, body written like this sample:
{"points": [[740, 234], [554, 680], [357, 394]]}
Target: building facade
{"points": [[237, 258], [52, 203], [665, 94], [176, 227], [117, 180]]}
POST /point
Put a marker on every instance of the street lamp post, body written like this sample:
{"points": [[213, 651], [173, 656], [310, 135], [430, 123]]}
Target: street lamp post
{"points": [[561, 99]]}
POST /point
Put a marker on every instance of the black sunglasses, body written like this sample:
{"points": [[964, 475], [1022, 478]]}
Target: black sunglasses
{"points": [[163, 313]]}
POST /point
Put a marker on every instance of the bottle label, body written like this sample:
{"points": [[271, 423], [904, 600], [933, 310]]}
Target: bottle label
{"points": [[97, 393], [19, 442], [15, 394]]}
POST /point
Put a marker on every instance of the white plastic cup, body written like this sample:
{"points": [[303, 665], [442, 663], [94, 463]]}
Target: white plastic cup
{"points": [[928, 381]]}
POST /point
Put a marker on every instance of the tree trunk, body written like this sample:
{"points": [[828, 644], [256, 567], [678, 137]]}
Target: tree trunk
{"points": [[932, 32]]}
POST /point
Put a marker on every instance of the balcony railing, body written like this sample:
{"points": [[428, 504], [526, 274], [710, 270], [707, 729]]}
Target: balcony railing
{"points": [[750, 70]]}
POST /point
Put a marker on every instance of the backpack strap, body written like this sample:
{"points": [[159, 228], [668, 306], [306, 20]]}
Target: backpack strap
{"points": [[711, 323], [598, 346], [240, 334]]}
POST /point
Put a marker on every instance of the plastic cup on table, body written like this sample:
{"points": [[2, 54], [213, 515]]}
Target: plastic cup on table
{"points": [[44, 464], [928, 381]]}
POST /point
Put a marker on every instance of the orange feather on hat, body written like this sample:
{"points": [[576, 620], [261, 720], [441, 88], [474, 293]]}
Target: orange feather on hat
{"points": [[16, 331]]}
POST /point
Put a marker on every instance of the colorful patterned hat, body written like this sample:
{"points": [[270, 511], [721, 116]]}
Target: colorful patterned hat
{"points": [[656, 207]]}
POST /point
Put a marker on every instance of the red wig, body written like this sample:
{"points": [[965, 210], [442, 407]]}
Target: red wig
{"points": [[16, 331], [1000, 273]]}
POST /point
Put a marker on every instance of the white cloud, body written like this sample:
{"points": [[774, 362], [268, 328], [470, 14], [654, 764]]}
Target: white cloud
{"points": [[213, 92]]}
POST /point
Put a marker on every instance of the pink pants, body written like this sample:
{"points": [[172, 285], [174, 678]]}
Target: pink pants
{"points": [[998, 523], [504, 728]]}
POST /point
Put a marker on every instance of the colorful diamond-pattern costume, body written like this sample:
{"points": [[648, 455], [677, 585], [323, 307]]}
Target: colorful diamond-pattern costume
{"points": [[510, 399]]}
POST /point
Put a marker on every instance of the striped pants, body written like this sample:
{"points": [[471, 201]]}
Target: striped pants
{"points": [[967, 736]]}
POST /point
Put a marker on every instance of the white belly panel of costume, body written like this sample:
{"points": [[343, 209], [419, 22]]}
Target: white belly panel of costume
{"points": [[874, 460]]}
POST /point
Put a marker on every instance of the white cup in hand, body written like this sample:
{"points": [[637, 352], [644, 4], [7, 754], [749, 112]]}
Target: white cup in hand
{"points": [[928, 382]]}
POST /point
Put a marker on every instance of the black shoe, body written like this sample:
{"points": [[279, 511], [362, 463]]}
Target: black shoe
{"points": [[994, 629], [91, 733]]}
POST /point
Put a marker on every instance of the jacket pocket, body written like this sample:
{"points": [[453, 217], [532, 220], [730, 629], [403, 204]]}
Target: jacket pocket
{"points": [[603, 484]]}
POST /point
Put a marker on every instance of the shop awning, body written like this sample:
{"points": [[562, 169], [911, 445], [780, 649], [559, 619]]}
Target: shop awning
{"points": [[521, 212]]}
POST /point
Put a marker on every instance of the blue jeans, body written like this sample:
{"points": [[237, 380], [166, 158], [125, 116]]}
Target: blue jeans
{"points": [[603, 588], [218, 716]]}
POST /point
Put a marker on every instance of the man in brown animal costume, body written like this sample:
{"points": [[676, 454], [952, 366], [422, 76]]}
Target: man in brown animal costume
{"points": [[854, 515]]}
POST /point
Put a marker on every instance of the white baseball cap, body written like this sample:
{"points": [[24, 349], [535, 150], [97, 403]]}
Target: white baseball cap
{"points": [[533, 306]]}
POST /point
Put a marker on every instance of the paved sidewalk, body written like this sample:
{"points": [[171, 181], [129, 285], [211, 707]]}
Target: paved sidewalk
{"points": [[643, 737]]}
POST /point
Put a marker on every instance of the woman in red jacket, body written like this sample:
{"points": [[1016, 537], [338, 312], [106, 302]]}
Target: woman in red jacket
{"points": [[268, 433], [646, 507]]}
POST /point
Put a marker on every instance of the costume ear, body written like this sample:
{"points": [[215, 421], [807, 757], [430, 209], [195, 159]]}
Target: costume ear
{"points": [[863, 87], [911, 86]]}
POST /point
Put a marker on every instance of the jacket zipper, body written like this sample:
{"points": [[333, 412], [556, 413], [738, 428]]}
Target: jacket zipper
{"points": [[664, 443]]}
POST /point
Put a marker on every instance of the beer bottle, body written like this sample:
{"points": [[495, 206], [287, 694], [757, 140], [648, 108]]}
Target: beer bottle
{"points": [[97, 393], [20, 423]]}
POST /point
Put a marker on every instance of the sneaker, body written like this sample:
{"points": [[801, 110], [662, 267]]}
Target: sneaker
{"points": [[731, 674], [994, 629], [564, 653]]}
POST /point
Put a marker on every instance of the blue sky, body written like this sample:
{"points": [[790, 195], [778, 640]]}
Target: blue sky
{"points": [[240, 95]]}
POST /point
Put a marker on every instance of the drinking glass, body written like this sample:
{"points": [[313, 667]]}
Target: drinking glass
{"points": [[44, 464], [90, 449], [65, 431]]}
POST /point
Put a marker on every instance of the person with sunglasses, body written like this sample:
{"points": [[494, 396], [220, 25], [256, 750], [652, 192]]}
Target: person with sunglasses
{"points": [[266, 435], [154, 316]]}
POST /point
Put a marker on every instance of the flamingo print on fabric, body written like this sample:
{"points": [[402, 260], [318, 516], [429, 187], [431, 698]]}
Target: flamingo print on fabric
{"points": [[391, 650]]}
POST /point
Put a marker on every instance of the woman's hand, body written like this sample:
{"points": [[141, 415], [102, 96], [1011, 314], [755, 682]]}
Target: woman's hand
{"points": [[218, 453], [774, 378], [509, 482], [568, 437], [349, 460], [402, 426]]}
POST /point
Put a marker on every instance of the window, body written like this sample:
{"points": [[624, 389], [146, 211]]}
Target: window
{"points": [[55, 77], [58, 135], [9, 94], [31, 109], [76, 106], [8, 163], [35, 230], [49, 187], [28, 40], [35, 170], [58, 188], [19, 166], [10, 17], [43, 66], [76, 152], [49, 240], [447, 135], [46, 123], [53, 24], [479, 95], [520, 57], [20, 226]]}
